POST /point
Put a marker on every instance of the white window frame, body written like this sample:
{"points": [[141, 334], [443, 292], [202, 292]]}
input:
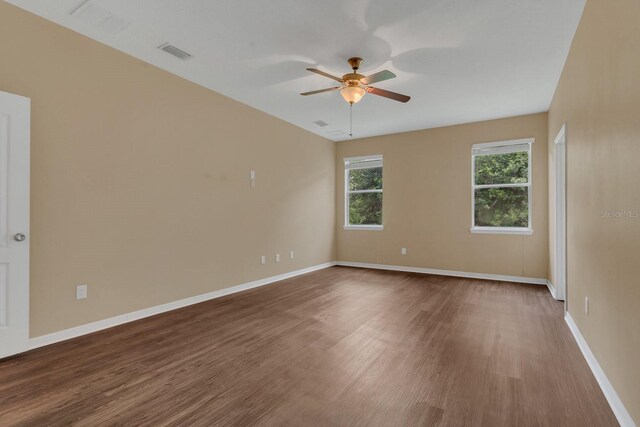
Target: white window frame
{"points": [[347, 192], [494, 148]]}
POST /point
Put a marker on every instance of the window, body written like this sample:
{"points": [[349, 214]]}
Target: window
{"points": [[501, 187], [363, 193]]}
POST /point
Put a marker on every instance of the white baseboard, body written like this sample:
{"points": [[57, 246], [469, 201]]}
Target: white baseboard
{"points": [[552, 289], [465, 274], [621, 413], [151, 311]]}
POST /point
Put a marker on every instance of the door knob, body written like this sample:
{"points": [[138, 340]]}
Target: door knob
{"points": [[19, 237]]}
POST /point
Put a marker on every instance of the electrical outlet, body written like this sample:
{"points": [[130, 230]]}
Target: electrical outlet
{"points": [[586, 305], [277, 257], [252, 178], [290, 254], [263, 260], [81, 291], [403, 251]]}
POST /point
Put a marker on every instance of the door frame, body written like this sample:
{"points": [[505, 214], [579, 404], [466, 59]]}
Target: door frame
{"points": [[560, 214]]}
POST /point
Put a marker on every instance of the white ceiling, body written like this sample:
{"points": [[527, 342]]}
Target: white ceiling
{"points": [[460, 60]]}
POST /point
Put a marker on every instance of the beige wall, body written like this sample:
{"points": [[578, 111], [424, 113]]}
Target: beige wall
{"points": [[599, 99], [427, 202], [140, 180], [140, 186]]}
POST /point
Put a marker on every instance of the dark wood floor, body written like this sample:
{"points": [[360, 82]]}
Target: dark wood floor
{"points": [[340, 346]]}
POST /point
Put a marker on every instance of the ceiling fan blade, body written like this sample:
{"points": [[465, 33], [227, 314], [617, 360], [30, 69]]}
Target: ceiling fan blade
{"points": [[388, 94], [378, 77], [313, 92], [322, 73]]}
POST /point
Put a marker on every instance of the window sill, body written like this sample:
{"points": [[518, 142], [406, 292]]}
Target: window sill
{"points": [[364, 227], [504, 230]]}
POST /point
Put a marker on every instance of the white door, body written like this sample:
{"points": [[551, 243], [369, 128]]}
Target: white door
{"points": [[14, 223], [560, 151]]}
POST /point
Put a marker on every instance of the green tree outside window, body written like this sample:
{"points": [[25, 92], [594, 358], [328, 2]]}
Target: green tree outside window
{"points": [[501, 190], [364, 193]]}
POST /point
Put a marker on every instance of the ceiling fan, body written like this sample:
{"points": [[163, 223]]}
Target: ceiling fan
{"points": [[353, 86]]}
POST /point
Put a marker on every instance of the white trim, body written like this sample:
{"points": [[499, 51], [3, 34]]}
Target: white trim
{"points": [[621, 413], [560, 213], [521, 141], [452, 273], [502, 149], [372, 157], [152, 311], [552, 289], [561, 134], [501, 230], [364, 227]]}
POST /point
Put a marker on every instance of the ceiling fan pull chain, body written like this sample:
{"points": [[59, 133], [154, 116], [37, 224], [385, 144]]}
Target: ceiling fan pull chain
{"points": [[350, 120]]}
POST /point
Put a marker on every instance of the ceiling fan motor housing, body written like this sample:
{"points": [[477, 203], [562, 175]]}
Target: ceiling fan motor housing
{"points": [[352, 79]]}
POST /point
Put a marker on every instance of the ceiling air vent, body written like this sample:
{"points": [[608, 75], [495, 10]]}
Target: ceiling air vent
{"points": [[336, 133], [321, 123], [178, 53], [97, 16]]}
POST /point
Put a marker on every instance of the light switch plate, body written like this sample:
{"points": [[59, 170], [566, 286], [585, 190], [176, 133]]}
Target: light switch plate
{"points": [[81, 291]]}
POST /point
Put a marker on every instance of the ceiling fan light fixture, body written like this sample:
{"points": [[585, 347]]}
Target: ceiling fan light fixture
{"points": [[352, 94]]}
